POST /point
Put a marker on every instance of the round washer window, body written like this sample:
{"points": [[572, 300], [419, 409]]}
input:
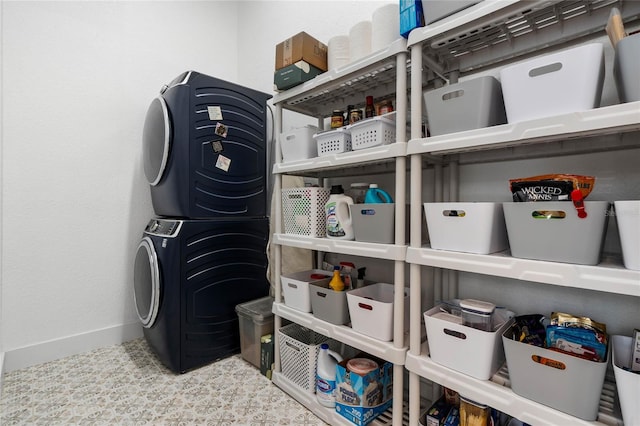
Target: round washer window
{"points": [[156, 140], [146, 283]]}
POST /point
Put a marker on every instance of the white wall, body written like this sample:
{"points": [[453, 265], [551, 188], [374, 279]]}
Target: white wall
{"points": [[77, 78]]}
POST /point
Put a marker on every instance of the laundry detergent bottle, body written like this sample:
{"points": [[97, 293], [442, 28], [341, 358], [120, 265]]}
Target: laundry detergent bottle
{"points": [[326, 376], [376, 195], [339, 225]]}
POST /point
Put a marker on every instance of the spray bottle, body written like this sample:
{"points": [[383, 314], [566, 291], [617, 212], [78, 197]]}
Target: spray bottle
{"points": [[326, 376]]}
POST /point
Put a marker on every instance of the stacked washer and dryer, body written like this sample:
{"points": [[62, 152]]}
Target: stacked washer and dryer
{"points": [[205, 157]]}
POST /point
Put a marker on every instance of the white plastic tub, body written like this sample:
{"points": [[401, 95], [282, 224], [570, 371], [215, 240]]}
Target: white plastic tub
{"points": [[474, 352], [559, 83], [371, 310], [333, 141], [564, 237], [468, 227], [295, 287], [628, 217], [628, 383], [298, 144]]}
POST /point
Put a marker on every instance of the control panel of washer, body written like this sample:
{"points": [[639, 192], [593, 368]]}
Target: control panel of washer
{"points": [[163, 228]]}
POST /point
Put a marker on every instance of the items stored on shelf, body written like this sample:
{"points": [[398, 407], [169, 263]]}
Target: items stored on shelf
{"points": [[627, 382], [567, 81], [373, 223], [627, 214], [435, 10], [338, 214], [364, 388], [326, 376], [298, 143], [467, 105], [372, 132], [371, 310], [553, 231], [626, 67], [301, 47], [471, 351], [333, 141], [550, 187], [295, 287], [467, 227]]}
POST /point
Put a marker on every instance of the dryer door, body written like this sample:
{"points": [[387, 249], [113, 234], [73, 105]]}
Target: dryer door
{"points": [[156, 140], [146, 283]]}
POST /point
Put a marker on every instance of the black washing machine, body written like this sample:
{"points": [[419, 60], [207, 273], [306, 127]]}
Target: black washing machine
{"points": [[205, 150], [188, 277]]}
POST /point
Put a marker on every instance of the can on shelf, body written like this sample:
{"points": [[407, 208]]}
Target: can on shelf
{"points": [[337, 119]]}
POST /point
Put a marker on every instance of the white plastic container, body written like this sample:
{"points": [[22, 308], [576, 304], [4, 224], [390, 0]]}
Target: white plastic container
{"points": [[298, 144], [371, 310], [565, 382], [338, 215], [564, 237], [333, 141], [372, 132], [326, 376], [467, 227], [477, 314], [559, 83], [628, 217], [627, 382], [295, 287], [468, 350], [303, 211]]}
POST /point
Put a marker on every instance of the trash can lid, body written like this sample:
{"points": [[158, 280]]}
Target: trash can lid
{"points": [[259, 309]]}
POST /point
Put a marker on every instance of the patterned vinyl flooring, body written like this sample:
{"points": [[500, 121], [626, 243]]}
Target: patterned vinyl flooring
{"points": [[127, 385]]}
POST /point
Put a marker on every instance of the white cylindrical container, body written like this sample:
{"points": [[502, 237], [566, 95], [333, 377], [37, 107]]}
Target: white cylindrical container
{"points": [[360, 40], [338, 51], [338, 215], [326, 376], [385, 26]]}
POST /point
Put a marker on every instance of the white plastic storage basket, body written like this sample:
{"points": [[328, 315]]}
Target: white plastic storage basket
{"points": [[471, 351], [372, 132], [627, 382], [296, 287], [371, 310], [303, 211], [333, 141], [559, 83], [628, 218], [565, 382], [299, 354], [552, 231], [467, 227], [298, 144]]}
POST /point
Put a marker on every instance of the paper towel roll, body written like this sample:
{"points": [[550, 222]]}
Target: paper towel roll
{"points": [[359, 40], [385, 26], [338, 51]]}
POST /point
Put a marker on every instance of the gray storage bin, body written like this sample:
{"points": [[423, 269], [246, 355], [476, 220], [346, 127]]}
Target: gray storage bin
{"points": [[565, 382], [626, 68], [434, 10], [468, 105], [329, 305], [256, 320], [569, 239], [374, 223]]}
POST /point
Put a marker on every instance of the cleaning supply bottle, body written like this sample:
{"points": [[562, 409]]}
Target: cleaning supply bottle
{"points": [[336, 282], [326, 376], [376, 195], [338, 217]]}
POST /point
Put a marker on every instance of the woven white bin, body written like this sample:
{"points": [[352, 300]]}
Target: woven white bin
{"points": [[303, 211], [299, 354], [372, 132], [333, 141]]}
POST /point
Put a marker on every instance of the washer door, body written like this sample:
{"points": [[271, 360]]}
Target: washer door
{"points": [[146, 283], [156, 140]]}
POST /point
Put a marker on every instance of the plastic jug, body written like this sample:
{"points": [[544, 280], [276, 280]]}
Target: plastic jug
{"points": [[326, 376], [376, 195], [339, 225]]}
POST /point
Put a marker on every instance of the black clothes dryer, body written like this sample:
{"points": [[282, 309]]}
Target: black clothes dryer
{"points": [[189, 276], [205, 150]]}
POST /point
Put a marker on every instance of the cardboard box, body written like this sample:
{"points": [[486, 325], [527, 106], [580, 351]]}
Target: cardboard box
{"points": [[295, 74], [437, 413], [301, 47], [266, 355], [411, 16], [360, 399]]}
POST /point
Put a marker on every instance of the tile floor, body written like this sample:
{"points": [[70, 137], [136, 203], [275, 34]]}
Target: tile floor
{"points": [[127, 385]]}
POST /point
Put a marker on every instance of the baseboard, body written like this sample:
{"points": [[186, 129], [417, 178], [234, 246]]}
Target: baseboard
{"points": [[1, 370], [60, 348]]}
